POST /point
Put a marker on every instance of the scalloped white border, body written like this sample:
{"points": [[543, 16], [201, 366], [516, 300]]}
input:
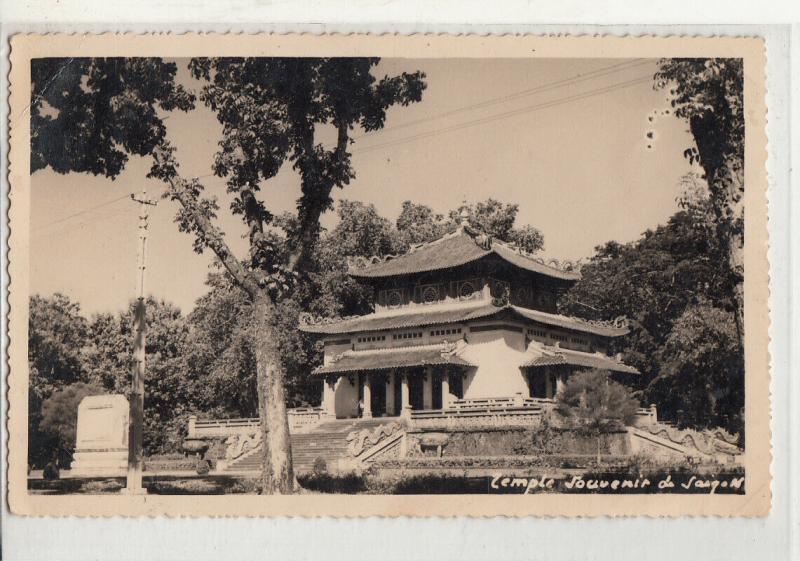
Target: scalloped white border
{"points": [[755, 503]]}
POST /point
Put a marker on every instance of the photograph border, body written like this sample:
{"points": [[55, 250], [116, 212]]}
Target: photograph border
{"points": [[756, 501]]}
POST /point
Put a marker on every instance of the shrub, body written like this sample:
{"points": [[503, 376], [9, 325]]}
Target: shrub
{"points": [[591, 401], [349, 483], [51, 471], [320, 466], [203, 467], [60, 418]]}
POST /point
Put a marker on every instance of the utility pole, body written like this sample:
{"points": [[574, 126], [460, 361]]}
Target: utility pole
{"points": [[136, 427]]}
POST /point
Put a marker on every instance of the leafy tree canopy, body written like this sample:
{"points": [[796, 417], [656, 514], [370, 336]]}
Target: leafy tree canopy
{"points": [[56, 333], [89, 114]]}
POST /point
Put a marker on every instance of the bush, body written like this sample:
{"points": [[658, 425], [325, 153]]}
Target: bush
{"points": [[350, 483], [60, 418], [320, 466], [51, 471], [203, 467]]}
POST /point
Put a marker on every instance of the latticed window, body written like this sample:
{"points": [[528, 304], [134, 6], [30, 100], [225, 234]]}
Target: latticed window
{"points": [[391, 298], [468, 289], [430, 293]]}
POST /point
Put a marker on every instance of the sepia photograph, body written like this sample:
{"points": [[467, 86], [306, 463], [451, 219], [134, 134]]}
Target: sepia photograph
{"points": [[427, 275]]}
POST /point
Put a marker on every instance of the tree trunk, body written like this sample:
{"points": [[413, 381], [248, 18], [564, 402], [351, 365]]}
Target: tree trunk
{"points": [[277, 476], [736, 262]]}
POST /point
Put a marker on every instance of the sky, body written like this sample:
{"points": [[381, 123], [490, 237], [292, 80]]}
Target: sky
{"points": [[566, 139]]}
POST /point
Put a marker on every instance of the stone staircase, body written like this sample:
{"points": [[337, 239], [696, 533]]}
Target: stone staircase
{"points": [[327, 440]]}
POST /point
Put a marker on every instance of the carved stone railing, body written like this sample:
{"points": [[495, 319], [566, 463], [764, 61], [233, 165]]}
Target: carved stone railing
{"points": [[490, 411], [300, 419], [646, 416]]}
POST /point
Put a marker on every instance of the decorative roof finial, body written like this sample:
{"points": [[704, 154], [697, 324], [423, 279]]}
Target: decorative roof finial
{"points": [[464, 215]]}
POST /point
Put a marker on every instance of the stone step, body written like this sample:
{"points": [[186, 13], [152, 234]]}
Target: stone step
{"points": [[327, 441]]}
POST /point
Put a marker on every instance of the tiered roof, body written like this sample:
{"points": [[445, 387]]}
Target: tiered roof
{"points": [[460, 248]]}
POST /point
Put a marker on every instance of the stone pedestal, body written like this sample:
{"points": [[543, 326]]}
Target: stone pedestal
{"points": [[101, 447]]}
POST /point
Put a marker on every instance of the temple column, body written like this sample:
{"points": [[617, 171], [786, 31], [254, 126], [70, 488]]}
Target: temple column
{"points": [[560, 383], [446, 388], [367, 411], [329, 397], [548, 383], [405, 396], [390, 393], [427, 388]]}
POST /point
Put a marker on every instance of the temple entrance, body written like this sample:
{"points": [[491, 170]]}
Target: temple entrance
{"points": [[436, 386], [378, 396], [415, 392], [456, 380], [398, 395], [537, 382]]}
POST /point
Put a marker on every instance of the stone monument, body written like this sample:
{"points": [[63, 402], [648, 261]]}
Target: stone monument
{"points": [[101, 447]]}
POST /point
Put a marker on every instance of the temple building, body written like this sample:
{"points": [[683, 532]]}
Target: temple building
{"points": [[462, 319]]}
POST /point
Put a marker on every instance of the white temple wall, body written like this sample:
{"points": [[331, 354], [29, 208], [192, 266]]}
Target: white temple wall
{"points": [[346, 398], [497, 354]]}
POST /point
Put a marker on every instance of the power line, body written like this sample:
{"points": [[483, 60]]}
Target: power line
{"points": [[77, 225], [507, 114], [79, 213], [592, 75]]}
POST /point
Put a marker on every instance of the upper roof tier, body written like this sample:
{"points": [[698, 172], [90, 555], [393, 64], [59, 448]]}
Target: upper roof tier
{"points": [[463, 246]]}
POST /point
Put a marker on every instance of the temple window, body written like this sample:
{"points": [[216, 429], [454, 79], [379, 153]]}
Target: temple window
{"points": [[372, 339], [468, 289], [521, 295], [430, 293], [407, 335], [392, 297], [537, 333], [441, 332], [498, 288]]}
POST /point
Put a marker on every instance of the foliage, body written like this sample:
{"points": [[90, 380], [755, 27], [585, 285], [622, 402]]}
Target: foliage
{"points": [[653, 282], [60, 418], [701, 380], [89, 114], [418, 223], [709, 95], [65, 349], [56, 332], [497, 219], [590, 400]]}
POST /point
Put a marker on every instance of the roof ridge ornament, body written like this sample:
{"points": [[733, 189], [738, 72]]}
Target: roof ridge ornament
{"points": [[307, 319]]}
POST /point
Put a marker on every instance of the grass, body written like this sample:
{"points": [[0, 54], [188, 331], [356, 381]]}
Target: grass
{"points": [[162, 485]]}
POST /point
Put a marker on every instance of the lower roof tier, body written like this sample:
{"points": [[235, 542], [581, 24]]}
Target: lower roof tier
{"points": [[384, 322], [451, 354]]}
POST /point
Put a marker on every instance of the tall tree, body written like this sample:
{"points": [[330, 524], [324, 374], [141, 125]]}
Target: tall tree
{"points": [[709, 95], [56, 335], [418, 223], [170, 398], [273, 110]]}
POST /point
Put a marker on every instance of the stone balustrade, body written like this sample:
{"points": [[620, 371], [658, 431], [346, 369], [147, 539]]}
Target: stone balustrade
{"points": [[300, 419]]}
